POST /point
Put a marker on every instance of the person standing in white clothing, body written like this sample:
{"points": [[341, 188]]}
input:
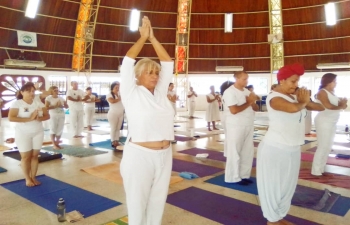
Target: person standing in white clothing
{"points": [[147, 157], [172, 96], [75, 99], [55, 105], [278, 160], [115, 114], [239, 125], [29, 133], [89, 107], [191, 95], [326, 121], [212, 113]]}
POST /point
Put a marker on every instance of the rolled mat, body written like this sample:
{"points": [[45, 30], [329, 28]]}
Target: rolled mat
{"points": [[43, 156]]}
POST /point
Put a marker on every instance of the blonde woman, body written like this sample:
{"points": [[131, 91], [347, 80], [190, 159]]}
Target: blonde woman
{"points": [[29, 133], [55, 105], [147, 157]]}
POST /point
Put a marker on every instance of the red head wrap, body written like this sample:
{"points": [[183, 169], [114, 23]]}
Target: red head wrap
{"points": [[290, 70]]}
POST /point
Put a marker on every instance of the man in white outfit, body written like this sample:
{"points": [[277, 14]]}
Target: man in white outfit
{"points": [[192, 102], [76, 110], [239, 123]]}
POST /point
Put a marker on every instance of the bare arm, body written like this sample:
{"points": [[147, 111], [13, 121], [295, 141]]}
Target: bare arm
{"points": [[13, 116], [160, 51], [323, 97], [210, 100], [313, 106], [283, 105], [47, 105], [73, 99], [112, 100]]}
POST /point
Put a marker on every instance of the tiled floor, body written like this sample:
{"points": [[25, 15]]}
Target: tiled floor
{"points": [[15, 210]]}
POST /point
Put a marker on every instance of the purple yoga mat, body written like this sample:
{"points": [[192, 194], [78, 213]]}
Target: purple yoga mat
{"points": [[199, 169], [222, 209], [215, 155], [182, 138]]}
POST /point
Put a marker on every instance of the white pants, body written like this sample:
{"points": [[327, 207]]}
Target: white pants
{"points": [[89, 115], [76, 121], [308, 122], [27, 140], [191, 108], [325, 136], [277, 176], [146, 177], [115, 120], [239, 152], [56, 124]]}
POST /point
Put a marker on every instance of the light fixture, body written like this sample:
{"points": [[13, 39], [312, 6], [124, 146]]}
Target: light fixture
{"points": [[32, 8], [228, 22], [341, 65], [228, 68], [134, 20], [330, 14]]}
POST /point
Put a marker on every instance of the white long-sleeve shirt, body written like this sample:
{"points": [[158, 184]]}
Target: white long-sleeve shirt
{"points": [[150, 116]]}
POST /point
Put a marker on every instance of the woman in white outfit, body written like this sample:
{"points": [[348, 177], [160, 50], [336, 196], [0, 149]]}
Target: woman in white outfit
{"points": [[147, 157], [278, 160], [172, 96], [55, 105], [89, 107], [326, 121], [29, 133], [115, 114], [213, 112], [191, 95]]}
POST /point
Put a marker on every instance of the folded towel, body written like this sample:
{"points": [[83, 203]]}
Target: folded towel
{"points": [[203, 155], [188, 175]]}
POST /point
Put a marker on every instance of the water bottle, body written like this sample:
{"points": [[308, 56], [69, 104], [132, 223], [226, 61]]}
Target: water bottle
{"points": [[346, 128], [61, 210]]}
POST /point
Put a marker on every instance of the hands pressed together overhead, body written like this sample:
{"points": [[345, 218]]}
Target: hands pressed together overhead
{"points": [[146, 30]]}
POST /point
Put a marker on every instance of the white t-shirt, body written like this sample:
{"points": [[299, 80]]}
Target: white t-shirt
{"points": [[150, 116], [90, 103], [24, 111], [285, 128], [329, 115], [53, 102], [115, 108], [192, 98], [74, 94], [233, 96]]}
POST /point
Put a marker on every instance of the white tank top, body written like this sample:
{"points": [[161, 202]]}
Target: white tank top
{"points": [[285, 128], [329, 115]]}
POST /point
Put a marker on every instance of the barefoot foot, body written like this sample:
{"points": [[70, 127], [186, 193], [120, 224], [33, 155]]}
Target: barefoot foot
{"points": [[36, 182], [30, 183]]}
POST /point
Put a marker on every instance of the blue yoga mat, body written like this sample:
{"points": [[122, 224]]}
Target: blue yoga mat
{"points": [[47, 194], [337, 206], [2, 170], [107, 143], [222, 209]]}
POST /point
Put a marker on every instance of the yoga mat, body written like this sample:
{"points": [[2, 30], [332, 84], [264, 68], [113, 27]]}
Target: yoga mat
{"points": [[100, 132], [121, 221], [107, 143], [222, 209], [191, 118], [256, 144], [43, 156], [215, 155], [111, 172], [199, 169], [104, 120], [331, 178], [336, 151], [47, 194], [2, 170], [301, 193], [183, 138], [77, 151], [4, 148], [330, 161]]}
